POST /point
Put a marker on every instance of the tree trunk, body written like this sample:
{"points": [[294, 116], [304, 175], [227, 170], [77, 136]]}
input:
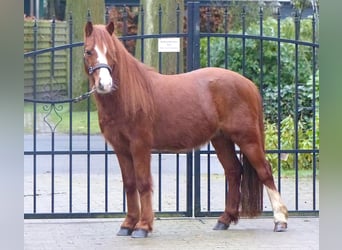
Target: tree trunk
{"points": [[79, 10], [168, 17]]}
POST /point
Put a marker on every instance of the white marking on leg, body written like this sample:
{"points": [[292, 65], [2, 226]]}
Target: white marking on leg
{"points": [[105, 78], [279, 209]]}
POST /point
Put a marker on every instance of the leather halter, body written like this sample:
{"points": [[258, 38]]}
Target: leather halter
{"points": [[97, 66], [91, 69]]}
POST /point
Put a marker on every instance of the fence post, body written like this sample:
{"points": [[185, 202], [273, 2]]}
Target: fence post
{"points": [[193, 43], [193, 59]]}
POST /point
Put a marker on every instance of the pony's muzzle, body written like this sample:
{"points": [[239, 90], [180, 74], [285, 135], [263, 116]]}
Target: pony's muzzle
{"points": [[104, 85], [102, 89]]}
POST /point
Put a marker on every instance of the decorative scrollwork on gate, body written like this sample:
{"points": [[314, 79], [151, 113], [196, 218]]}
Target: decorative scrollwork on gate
{"points": [[52, 92], [53, 118]]}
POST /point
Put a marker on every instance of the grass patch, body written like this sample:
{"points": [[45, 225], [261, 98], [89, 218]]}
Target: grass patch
{"points": [[302, 173], [58, 117]]}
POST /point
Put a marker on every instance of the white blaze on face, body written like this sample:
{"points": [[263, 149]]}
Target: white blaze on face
{"points": [[105, 79]]}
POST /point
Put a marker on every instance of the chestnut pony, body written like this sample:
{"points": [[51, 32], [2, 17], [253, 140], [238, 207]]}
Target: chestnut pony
{"points": [[141, 110]]}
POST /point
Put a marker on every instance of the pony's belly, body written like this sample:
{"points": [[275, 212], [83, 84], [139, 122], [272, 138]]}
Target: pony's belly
{"points": [[180, 141], [185, 119]]}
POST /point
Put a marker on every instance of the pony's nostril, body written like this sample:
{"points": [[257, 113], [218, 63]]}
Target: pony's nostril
{"points": [[101, 87]]}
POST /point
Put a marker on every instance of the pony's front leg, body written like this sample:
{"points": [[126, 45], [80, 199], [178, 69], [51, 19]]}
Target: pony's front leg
{"points": [[142, 160], [132, 196]]}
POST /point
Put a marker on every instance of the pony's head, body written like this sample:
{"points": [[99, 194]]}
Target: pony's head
{"points": [[97, 61], [109, 65]]}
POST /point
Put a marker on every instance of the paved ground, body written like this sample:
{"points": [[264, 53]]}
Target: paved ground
{"points": [[180, 234]]}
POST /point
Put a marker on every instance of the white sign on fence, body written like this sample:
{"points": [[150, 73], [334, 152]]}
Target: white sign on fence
{"points": [[169, 44]]}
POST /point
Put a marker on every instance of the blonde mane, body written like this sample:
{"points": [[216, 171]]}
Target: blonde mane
{"points": [[132, 76]]}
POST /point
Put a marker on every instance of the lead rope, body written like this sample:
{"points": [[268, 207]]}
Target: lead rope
{"points": [[73, 100], [84, 96]]}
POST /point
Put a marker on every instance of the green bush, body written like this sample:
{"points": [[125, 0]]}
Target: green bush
{"points": [[288, 142]]}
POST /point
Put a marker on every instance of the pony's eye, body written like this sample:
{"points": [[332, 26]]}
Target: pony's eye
{"points": [[87, 52]]}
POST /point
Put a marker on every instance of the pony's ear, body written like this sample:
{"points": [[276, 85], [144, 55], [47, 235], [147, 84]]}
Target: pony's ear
{"points": [[88, 29], [110, 27]]}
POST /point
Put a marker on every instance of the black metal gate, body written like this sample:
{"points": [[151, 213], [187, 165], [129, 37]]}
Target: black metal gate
{"points": [[70, 174]]}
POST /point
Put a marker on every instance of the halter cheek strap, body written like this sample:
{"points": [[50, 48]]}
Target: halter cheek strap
{"points": [[91, 69]]}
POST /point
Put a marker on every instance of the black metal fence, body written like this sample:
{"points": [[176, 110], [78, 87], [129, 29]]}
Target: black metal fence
{"points": [[69, 171]]}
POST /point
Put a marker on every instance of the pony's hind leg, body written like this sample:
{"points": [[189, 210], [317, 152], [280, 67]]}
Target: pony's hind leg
{"points": [[225, 150], [256, 156]]}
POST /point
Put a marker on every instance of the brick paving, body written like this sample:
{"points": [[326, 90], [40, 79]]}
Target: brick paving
{"points": [[171, 233]]}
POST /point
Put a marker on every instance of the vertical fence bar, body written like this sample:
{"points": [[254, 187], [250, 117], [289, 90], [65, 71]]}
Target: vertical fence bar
{"points": [[53, 35], [124, 21], [160, 14], [142, 14], [243, 17], [196, 65], [297, 27], [88, 142], [159, 181], [193, 55], [160, 69], [124, 42], [189, 49], [106, 15], [177, 182], [279, 117], [123, 198], [197, 195], [124, 17], [189, 65], [226, 58], [70, 113], [226, 65], [35, 42], [261, 49], [106, 177], [314, 110], [53, 29], [52, 169], [88, 157], [208, 178], [189, 183], [207, 27], [106, 144], [177, 31], [194, 35]]}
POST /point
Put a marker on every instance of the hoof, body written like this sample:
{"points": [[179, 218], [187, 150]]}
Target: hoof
{"points": [[124, 231], [221, 226], [280, 227], [139, 233]]}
